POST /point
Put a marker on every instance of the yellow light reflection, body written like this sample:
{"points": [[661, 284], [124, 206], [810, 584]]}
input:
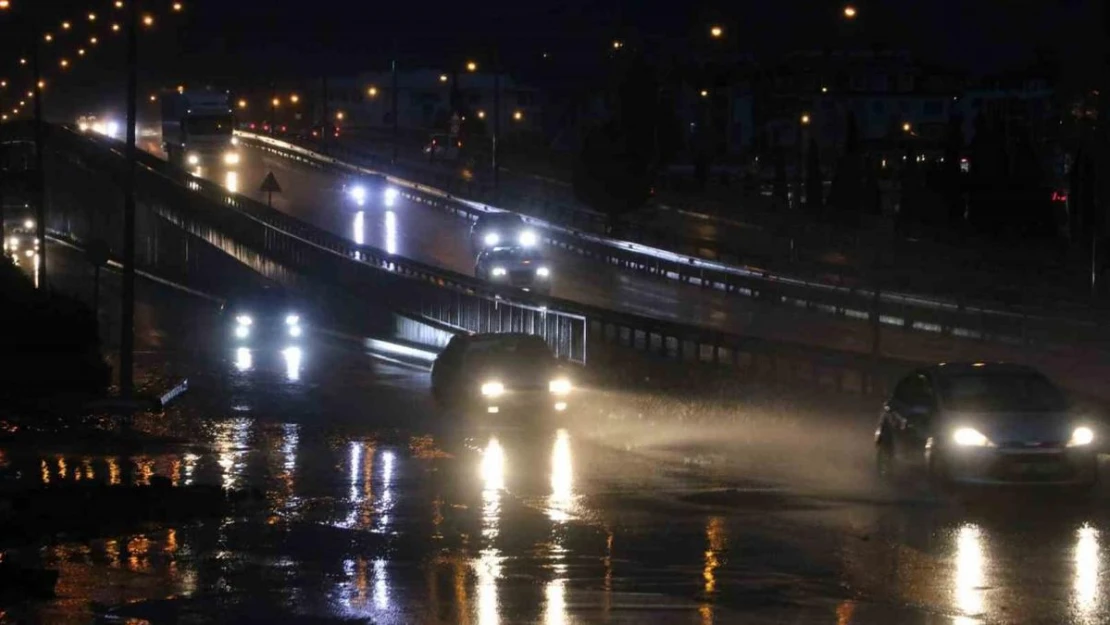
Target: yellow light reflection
{"points": [[390, 232], [292, 363], [970, 570], [561, 500], [113, 471], [1088, 567], [231, 448], [715, 542], [555, 607], [45, 472], [232, 181], [381, 585], [243, 360], [62, 469], [488, 566], [359, 228]]}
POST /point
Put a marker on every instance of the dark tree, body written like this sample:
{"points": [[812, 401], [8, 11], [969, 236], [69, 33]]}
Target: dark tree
{"points": [[620, 158], [814, 190], [951, 179], [778, 190], [846, 195]]}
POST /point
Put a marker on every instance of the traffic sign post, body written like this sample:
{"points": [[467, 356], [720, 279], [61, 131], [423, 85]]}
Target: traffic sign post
{"points": [[270, 186]]}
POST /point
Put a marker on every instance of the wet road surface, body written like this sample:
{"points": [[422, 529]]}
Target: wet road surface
{"points": [[377, 506]]}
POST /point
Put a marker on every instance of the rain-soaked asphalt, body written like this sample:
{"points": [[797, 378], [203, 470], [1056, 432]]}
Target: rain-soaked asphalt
{"points": [[378, 507]]}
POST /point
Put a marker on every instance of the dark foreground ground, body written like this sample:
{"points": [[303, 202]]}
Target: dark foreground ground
{"points": [[374, 506]]}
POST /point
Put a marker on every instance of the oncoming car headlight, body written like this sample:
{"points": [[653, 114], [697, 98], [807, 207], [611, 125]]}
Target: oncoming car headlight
{"points": [[491, 238], [493, 389], [358, 194], [1081, 436], [193, 159], [528, 238], [543, 272], [391, 196], [560, 386], [244, 320], [231, 158], [498, 271], [292, 320], [242, 331], [970, 437], [294, 331]]}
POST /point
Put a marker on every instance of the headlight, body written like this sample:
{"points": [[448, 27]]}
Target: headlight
{"points": [[292, 320], [194, 159], [358, 194], [543, 272], [528, 238], [112, 129], [242, 331], [294, 331], [244, 320], [560, 386], [1081, 436], [970, 437], [235, 141], [498, 271], [493, 389], [491, 238], [231, 158], [391, 195]]}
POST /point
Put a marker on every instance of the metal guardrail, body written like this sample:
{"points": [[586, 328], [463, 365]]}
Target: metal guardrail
{"points": [[901, 310], [268, 240]]}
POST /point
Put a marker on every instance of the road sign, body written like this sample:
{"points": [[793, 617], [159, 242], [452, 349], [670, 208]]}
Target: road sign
{"points": [[270, 186]]}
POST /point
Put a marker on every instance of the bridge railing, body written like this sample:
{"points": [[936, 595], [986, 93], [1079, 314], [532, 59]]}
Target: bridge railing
{"points": [[965, 319], [171, 201]]}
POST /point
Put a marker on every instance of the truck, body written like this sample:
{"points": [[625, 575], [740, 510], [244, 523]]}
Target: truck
{"points": [[197, 131]]}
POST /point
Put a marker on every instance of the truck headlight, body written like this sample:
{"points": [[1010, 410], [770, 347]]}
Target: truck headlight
{"points": [[498, 272], [292, 320], [242, 331], [231, 158], [1081, 436], [543, 272], [970, 437], [528, 238], [491, 238], [390, 195], [358, 194], [294, 331], [193, 159], [560, 386], [235, 141], [493, 389]]}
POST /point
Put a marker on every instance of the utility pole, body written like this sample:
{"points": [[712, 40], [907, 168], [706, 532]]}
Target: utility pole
{"points": [[496, 117], [40, 147], [326, 121], [393, 96], [127, 322]]}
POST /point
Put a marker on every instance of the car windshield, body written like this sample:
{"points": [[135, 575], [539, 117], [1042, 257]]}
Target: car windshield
{"points": [[515, 253], [500, 220], [1001, 392], [209, 124], [521, 349]]}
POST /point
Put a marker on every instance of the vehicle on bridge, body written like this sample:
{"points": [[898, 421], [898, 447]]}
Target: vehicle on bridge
{"points": [[197, 131], [985, 424], [500, 373], [499, 229], [522, 267], [264, 318], [365, 188]]}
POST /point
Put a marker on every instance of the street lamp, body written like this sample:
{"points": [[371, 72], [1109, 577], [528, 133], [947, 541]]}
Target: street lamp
{"points": [[481, 114], [294, 98], [716, 31], [704, 93], [618, 44], [443, 78], [242, 104], [339, 115], [850, 12], [471, 66], [518, 115], [906, 127], [372, 92], [276, 102], [805, 119]]}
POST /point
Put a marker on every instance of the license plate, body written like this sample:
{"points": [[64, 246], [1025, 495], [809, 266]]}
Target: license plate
{"points": [[1037, 468]]}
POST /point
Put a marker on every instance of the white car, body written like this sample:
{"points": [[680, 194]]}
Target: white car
{"points": [[522, 267]]}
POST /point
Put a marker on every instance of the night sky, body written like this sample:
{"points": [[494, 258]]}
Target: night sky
{"points": [[232, 42]]}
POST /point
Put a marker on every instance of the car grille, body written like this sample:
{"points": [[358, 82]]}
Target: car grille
{"points": [[1032, 468], [521, 276]]}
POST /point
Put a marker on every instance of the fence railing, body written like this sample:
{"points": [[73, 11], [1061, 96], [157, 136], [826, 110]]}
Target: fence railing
{"points": [[964, 319]]}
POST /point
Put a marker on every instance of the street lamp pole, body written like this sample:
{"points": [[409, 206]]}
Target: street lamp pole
{"points": [[393, 97], [40, 171], [127, 323]]}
